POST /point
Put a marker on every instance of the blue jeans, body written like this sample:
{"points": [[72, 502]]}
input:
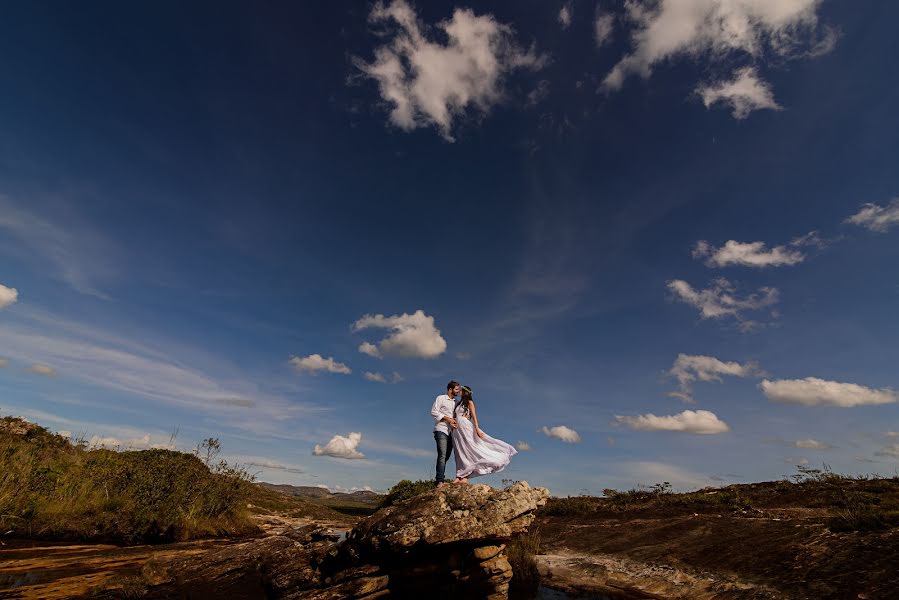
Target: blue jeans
{"points": [[444, 449]]}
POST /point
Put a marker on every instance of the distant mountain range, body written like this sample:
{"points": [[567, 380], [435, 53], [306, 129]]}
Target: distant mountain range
{"points": [[319, 493]]}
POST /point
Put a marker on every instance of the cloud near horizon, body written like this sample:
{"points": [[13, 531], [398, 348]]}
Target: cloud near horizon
{"points": [[561, 432], [811, 445], [413, 336], [341, 447], [429, 82], [812, 391], [315, 363], [700, 422]]}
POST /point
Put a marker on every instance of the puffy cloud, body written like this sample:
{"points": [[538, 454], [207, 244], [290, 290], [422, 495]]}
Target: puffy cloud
{"points": [[812, 445], [689, 368], [414, 336], [561, 432], [877, 218], [522, 446], [45, 370], [701, 422], [565, 15], [375, 377], [316, 362], [719, 300], [8, 296], [603, 26], [812, 391], [715, 29], [432, 82], [748, 254], [744, 93], [341, 447]]}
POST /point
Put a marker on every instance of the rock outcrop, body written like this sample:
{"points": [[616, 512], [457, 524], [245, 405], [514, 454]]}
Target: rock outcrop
{"points": [[448, 542]]}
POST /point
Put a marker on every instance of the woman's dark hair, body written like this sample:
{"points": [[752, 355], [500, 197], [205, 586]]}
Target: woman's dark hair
{"points": [[465, 399]]}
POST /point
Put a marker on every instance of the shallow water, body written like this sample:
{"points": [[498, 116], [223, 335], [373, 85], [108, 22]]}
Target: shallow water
{"points": [[545, 593]]}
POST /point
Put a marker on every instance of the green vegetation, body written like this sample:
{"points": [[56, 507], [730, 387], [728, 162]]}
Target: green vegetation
{"points": [[53, 488], [843, 503], [405, 489]]}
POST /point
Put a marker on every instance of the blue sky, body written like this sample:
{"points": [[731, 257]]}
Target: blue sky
{"points": [[658, 239]]}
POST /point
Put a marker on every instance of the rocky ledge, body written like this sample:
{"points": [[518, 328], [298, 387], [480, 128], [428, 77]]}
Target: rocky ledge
{"points": [[448, 542]]}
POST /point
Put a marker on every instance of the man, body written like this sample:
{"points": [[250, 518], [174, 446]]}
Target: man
{"points": [[442, 412]]}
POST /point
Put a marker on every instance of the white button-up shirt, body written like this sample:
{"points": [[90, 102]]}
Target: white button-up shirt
{"points": [[443, 407]]}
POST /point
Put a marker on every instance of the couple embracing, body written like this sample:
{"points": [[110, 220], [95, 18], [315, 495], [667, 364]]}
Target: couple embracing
{"points": [[457, 429]]}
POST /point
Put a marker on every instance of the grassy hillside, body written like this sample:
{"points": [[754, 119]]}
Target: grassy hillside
{"points": [[52, 488]]}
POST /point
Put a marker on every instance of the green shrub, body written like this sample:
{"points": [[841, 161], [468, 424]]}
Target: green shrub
{"points": [[50, 487], [405, 489]]}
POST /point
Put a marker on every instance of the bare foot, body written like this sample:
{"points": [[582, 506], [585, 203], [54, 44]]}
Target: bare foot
{"points": [[461, 480], [441, 484]]}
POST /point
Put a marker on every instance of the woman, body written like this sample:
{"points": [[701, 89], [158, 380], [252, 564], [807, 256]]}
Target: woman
{"points": [[476, 452]]}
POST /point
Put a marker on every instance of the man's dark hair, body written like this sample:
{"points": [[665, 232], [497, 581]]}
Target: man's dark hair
{"points": [[451, 385]]}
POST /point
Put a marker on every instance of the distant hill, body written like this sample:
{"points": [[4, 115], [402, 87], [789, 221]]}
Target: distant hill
{"points": [[361, 502]]}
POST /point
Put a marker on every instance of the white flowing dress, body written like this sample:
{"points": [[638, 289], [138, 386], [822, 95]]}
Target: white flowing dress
{"points": [[476, 456]]}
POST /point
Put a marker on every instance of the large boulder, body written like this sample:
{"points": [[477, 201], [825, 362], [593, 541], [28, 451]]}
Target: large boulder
{"points": [[448, 542]]}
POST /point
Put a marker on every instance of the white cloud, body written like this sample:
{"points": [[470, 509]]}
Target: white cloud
{"points": [[701, 422], [812, 391], [891, 451], [522, 446], [45, 370], [689, 368], [8, 296], [144, 442], [748, 254], [561, 432], [719, 300], [4, 362], [877, 218], [744, 93], [714, 30], [375, 377], [538, 94], [396, 377], [651, 473], [429, 82], [565, 15], [891, 434], [812, 445], [316, 362], [341, 447], [414, 336], [370, 349], [603, 26]]}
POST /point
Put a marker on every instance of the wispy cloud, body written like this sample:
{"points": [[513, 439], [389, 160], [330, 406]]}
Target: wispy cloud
{"points": [[745, 93], [720, 300], [812, 391], [104, 359], [810, 444], [746, 254], [689, 368], [566, 13], [44, 370], [877, 218], [75, 254]]}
